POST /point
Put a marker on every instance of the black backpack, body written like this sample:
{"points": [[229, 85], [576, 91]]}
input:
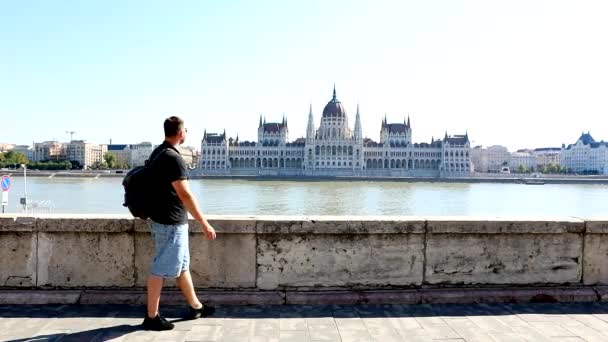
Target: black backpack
{"points": [[137, 185]]}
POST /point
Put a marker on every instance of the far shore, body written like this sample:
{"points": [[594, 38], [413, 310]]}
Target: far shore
{"points": [[479, 178]]}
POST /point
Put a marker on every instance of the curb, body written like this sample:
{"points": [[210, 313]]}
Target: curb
{"points": [[420, 296]]}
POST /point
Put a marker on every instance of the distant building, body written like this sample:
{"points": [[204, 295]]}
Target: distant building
{"points": [[26, 150], [122, 153], [189, 154], [6, 147], [335, 149], [522, 158], [586, 156], [479, 159], [547, 156], [50, 151], [139, 153], [87, 154], [490, 159]]}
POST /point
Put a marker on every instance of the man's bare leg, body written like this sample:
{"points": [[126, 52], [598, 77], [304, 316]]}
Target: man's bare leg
{"points": [[155, 286], [184, 281]]}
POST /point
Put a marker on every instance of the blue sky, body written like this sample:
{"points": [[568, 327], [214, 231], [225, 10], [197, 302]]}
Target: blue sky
{"points": [[516, 73]]}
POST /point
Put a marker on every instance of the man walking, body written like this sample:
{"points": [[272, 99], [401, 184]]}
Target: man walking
{"points": [[172, 200]]}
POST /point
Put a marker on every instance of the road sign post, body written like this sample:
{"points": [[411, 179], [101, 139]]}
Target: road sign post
{"points": [[5, 185], [4, 200]]}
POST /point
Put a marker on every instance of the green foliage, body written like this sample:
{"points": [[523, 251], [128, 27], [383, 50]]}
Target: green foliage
{"points": [[50, 165], [12, 159], [109, 160], [522, 169]]}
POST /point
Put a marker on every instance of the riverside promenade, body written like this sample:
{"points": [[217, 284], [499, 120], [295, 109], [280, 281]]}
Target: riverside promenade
{"points": [[347, 323]]}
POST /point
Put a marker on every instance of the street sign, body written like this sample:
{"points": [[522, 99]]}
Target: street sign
{"points": [[4, 198], [5, 183]]}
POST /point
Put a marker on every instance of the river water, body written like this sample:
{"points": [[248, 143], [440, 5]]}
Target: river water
{"points": [[261, 197]]}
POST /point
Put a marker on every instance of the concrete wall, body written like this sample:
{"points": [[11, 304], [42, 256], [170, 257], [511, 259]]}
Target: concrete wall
{"points": [[308, 253]]}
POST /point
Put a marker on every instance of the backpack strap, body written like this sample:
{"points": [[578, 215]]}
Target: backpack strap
{"points": [[149, 162]]}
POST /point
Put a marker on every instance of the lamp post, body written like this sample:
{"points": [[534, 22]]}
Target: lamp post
{"points": [[25, 186]]}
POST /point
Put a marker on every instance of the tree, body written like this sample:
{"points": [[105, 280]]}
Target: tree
{"points": [[110, 160], [522, 169], [11, 157]]}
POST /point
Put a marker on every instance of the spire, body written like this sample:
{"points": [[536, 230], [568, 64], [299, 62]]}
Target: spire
{"points": [[224, 134], [205, 135], [446, 135], [260, 121], [334, 98], [310, 129], [358, 131]]}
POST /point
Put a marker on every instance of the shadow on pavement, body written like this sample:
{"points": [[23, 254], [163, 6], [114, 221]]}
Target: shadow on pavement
{"points": [[100, 334]]}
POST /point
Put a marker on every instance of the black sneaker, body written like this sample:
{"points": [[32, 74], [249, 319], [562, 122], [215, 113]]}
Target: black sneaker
{"points": [[204, 311], [157, 323]]}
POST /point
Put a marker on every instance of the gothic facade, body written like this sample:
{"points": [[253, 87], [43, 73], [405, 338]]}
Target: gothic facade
{"points": [[335, 149]]}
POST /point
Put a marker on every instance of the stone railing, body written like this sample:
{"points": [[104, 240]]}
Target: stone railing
{"points": [[310, 253]]}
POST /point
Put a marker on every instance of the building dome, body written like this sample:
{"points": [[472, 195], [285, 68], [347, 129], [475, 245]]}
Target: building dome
{"points": [[334, 108]]}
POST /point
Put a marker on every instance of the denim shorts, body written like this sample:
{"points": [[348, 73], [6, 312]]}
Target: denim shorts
{"points": [[171, 251]]}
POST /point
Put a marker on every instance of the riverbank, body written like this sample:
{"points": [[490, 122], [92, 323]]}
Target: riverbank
{"points": [[506, 179]]}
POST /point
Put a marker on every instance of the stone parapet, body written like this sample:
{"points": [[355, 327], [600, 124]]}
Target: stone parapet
{"points": [[293, 254]]}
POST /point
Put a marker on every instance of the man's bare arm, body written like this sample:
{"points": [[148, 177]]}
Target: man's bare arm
{"points": [[182, 188]]}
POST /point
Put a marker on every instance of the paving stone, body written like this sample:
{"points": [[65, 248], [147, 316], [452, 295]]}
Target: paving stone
{"points": [[551, 329], [205, 333], [355, 335], [588, 334], [294, 336], [354, 323], [506, 337], [325, 332], [468, 330], [292, 323]]}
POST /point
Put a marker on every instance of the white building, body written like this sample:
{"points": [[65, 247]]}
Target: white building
{"points": [[49, 151], [547, 156], [586, 156], [479, 159], [6, 147], [139, 153], [490, 159], [189, 154], [26, 150], [522, 158], [87, 154], [335, 149]]}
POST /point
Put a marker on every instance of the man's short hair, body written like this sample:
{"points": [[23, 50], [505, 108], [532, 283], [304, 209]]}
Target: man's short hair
{"points": [[172, 126]]}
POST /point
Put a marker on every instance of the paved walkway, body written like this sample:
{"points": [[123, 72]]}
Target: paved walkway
{"points": [[486, 323]]}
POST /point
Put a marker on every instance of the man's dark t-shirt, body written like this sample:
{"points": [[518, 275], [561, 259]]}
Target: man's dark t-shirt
{"points": [[167, 208]]}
